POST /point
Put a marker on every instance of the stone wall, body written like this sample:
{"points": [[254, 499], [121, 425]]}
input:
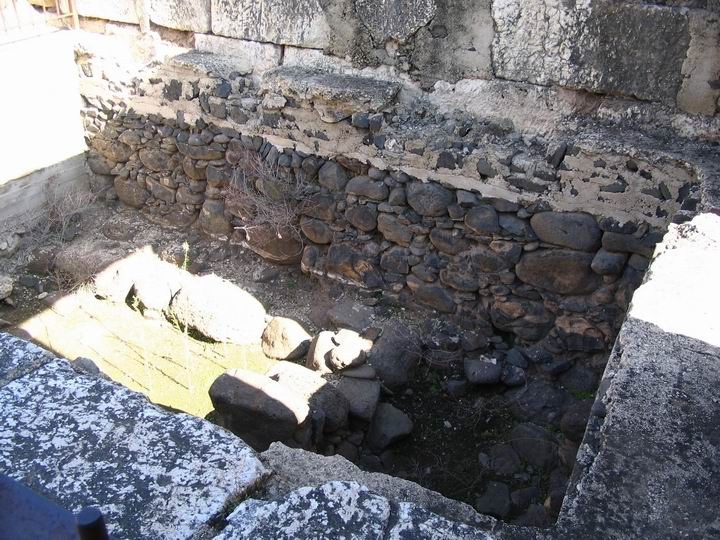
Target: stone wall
{"points": [[665, 52], [542, 239]]}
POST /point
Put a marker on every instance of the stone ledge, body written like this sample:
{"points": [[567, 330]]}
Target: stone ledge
{"points": [[347, 93], [19, 358], [81, 441]]}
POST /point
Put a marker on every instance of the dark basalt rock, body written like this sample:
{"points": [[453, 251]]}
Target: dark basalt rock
{"points": [[363, 186], [429, 199], [482, 219], [447, 242], [572, 230], [362, 217], [558, 270]]}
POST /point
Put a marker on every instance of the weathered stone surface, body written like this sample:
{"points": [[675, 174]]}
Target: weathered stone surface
{"points": [[333, 176], [627, 243], [190, 15], [393, 230], [350, 314], [429, 199], [395, 260], [387, 19], [349, 350], [495, 501], [6, 286], [296, 468], [257, 408], [335, 96], [456, 45], [316, 231], [219, 310], [277, 245], [263, 56], [300, 22], [285, 339], [389, 425], [572, 230], [343, 260], [212, 218], [363, 186], [482, 219], [362, 217], [608, 263], [154, 159], [333, 510], [319, 352], [121, 11], [446, 241], [434, 296], [535, 445], [596, 46], [19, 358], [394, 355], [539, 401], [558, 270], [482, 370], [363, 395], [325, 401], [129, 192], [484, 259], [90, 441]]}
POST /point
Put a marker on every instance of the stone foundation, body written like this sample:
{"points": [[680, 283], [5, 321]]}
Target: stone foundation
{"points": [[542, 240]]}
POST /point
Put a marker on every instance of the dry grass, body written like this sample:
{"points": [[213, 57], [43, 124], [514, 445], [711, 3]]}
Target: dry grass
{"points": [[261, 197]]}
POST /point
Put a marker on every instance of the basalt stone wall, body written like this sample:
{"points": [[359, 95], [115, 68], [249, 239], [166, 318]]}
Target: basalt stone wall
{"points": [[543, 240]]}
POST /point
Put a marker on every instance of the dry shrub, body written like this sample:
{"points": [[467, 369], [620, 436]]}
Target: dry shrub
{"points": [[61, 210], [260, 196]]}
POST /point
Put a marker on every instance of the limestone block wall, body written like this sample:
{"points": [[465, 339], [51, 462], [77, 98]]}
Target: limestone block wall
{"points": [[541, 239], [665, 52]]}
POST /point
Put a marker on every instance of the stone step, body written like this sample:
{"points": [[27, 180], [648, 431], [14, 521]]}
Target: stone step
{"points": [[80, 440]]}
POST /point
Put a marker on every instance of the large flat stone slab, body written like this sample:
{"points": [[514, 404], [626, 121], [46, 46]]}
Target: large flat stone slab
{"points": [[19, 358], [603, 46], [287, 22], [191, 15], [80, 440], [341, 94], [341, 510]]}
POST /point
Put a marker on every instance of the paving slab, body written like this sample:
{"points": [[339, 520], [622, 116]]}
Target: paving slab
{"points": [[341, 510], [19, 357], [80, 440]]}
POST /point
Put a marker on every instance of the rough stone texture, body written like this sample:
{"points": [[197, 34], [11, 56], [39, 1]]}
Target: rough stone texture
{"points": [[263, 56], [193, 15], [660, 384], [456, 45], [386, 19], [121, 11], [389, 425], [336, 96], [698, 93], [603, 46], [561, 271], [81, 440], [285, 339], [219, 310], [299, 22], [394, 355], [572, 230], [296, 468], [429, 199], [258, 408], [19, 358], [333, 510], [325, 401], [363, 395]]}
